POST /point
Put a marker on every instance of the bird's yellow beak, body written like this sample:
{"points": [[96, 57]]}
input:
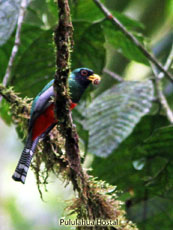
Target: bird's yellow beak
{"points": [[95, 79]]}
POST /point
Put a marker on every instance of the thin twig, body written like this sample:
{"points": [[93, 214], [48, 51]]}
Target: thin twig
{"points": [[161, 96], [15, 48], [133, 39], [167, 64], [113, 75]]}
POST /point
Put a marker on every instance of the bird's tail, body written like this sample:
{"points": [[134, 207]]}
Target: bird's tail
{"points": [[25, 160]]}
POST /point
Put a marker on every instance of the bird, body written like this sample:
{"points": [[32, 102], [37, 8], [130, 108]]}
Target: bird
{"points": [[42, 118]]}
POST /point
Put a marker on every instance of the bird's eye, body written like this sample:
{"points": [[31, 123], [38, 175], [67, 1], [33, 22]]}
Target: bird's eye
{"points": [[84, 72]]}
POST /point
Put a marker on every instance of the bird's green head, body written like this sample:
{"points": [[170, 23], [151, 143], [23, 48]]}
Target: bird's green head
{"points": [[79, 80], [85, 76]]}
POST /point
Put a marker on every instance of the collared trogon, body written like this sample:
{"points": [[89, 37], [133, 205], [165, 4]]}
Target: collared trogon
{"points": [[42, 118]]}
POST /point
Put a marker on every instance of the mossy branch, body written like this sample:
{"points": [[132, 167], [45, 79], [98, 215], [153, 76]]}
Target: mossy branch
{"points": [[63, 41], [92, 202], [14, 100], [20, 107]]}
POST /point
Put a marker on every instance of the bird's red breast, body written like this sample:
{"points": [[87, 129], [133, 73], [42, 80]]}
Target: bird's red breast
{"points": [[45, 120]]}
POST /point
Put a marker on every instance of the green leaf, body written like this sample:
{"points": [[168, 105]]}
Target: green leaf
{"points": [[9, 10], [5, 52], [35, 64], [113, 115], [89, 11], [42, 13], [28, 35], [120, 42], [127, 21], [85, 10], [88, 50], [159, 143]]}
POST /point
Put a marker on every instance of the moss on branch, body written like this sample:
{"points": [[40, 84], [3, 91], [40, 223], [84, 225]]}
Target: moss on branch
{"points": [[93, 201]]}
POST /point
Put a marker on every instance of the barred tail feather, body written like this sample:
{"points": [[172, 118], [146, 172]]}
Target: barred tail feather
{"points": [[25, 161]]}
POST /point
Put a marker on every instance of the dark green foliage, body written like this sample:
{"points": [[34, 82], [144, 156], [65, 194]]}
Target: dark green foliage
{"points": [[142, 166], [36, 64], [127, 152], [114, 36], [89, 38], [4, 112], [79, 11], [5, 52], [140, 154], [120, 42]]}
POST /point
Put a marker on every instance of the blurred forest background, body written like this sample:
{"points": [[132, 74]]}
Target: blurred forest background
{"points": [[125, 137]]}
